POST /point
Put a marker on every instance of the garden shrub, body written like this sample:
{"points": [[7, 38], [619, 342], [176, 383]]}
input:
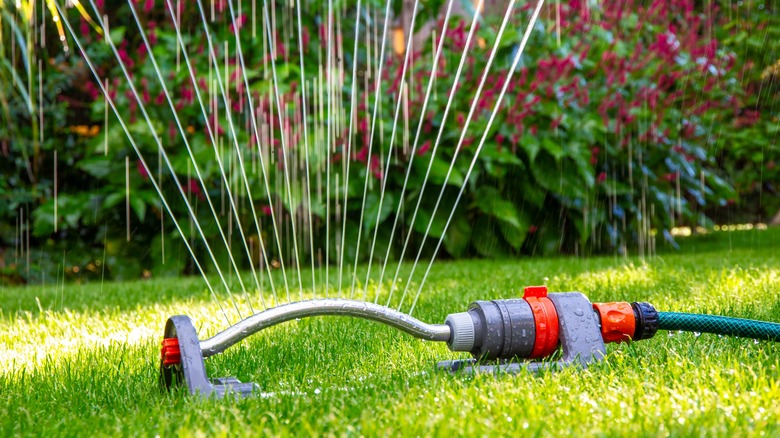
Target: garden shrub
{"points": [[606, 136]]}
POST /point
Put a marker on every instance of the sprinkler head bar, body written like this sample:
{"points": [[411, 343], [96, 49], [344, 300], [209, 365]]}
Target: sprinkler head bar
{"points": [[337, 307], [182, 354]]}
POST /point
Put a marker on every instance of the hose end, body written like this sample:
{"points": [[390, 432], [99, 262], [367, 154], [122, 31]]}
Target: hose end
{"points": [[646, 320]]}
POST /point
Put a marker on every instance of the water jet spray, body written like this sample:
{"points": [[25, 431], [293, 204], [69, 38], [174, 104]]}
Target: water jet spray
{"points": [[503, 336]]}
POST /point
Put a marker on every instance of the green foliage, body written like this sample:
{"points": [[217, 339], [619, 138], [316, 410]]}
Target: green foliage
{"points": [[747, 148], [602, 135], [605, 133]]}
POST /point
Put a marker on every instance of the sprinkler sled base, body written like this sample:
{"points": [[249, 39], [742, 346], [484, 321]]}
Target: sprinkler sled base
{"points": [[181, 364]]}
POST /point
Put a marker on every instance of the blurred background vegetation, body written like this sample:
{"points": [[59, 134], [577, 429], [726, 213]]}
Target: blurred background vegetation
{"points": [[625, 120]]}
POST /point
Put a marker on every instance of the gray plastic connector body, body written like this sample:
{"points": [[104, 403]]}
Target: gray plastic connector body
{"points": [[504, 333]]}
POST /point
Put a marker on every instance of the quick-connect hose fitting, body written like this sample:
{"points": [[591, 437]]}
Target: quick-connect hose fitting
{"points": [[625, 322], [646, 320]]}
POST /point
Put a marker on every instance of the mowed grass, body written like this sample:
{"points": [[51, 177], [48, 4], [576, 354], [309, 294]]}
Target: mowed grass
{"points": [[82, 360]]}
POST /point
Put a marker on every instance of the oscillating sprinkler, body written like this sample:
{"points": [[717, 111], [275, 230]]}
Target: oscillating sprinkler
{"points": [[506, 336]]}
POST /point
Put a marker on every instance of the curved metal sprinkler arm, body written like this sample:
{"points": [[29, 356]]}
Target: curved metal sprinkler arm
{"points": [[340, 307]]}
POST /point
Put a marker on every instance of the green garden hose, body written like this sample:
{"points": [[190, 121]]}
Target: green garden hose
{"points": [[719, 325]]}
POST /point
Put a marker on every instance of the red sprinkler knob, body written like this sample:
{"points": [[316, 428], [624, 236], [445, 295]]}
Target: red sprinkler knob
{"points": [[170, 353], [545, 319]]}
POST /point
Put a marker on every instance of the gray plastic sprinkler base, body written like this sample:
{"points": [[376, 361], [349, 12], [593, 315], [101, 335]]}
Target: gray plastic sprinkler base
{"points": [[579, 335], [191, 372], [494, 329]]}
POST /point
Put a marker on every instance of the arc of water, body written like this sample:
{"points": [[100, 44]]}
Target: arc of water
{"points": [[493, 113], [348, 154], [188, 204], [133, 144], [328, 132], [256, 134], [306, 141], [281, 137], [464, 130], [407, 54], [377, 88], [211, 135], [187, 146], [429, 88], [436, 143]]}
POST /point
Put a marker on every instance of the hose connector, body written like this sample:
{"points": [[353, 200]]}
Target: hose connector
{"points": [[646, 320]]}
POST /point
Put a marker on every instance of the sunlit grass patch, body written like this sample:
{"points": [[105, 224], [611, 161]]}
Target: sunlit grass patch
{"points": [[87, 360]]}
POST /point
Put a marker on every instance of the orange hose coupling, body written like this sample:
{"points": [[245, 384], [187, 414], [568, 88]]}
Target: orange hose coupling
{"points": [[618, 323]]}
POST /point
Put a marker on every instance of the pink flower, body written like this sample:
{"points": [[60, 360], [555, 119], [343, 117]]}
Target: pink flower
{"points": [[266, 210], [141, 169], [602, 177], [362, 154], [424, 148], [556, 122], [92, 90], [305, 38], [194, 188], [239, 23], [84, 28]]}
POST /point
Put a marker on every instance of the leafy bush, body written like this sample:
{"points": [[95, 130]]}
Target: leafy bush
{"points": [[605, 134], [602, 136], [746, 148]]}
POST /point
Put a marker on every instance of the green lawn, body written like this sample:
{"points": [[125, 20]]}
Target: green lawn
{"points": [[82, 360]]}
